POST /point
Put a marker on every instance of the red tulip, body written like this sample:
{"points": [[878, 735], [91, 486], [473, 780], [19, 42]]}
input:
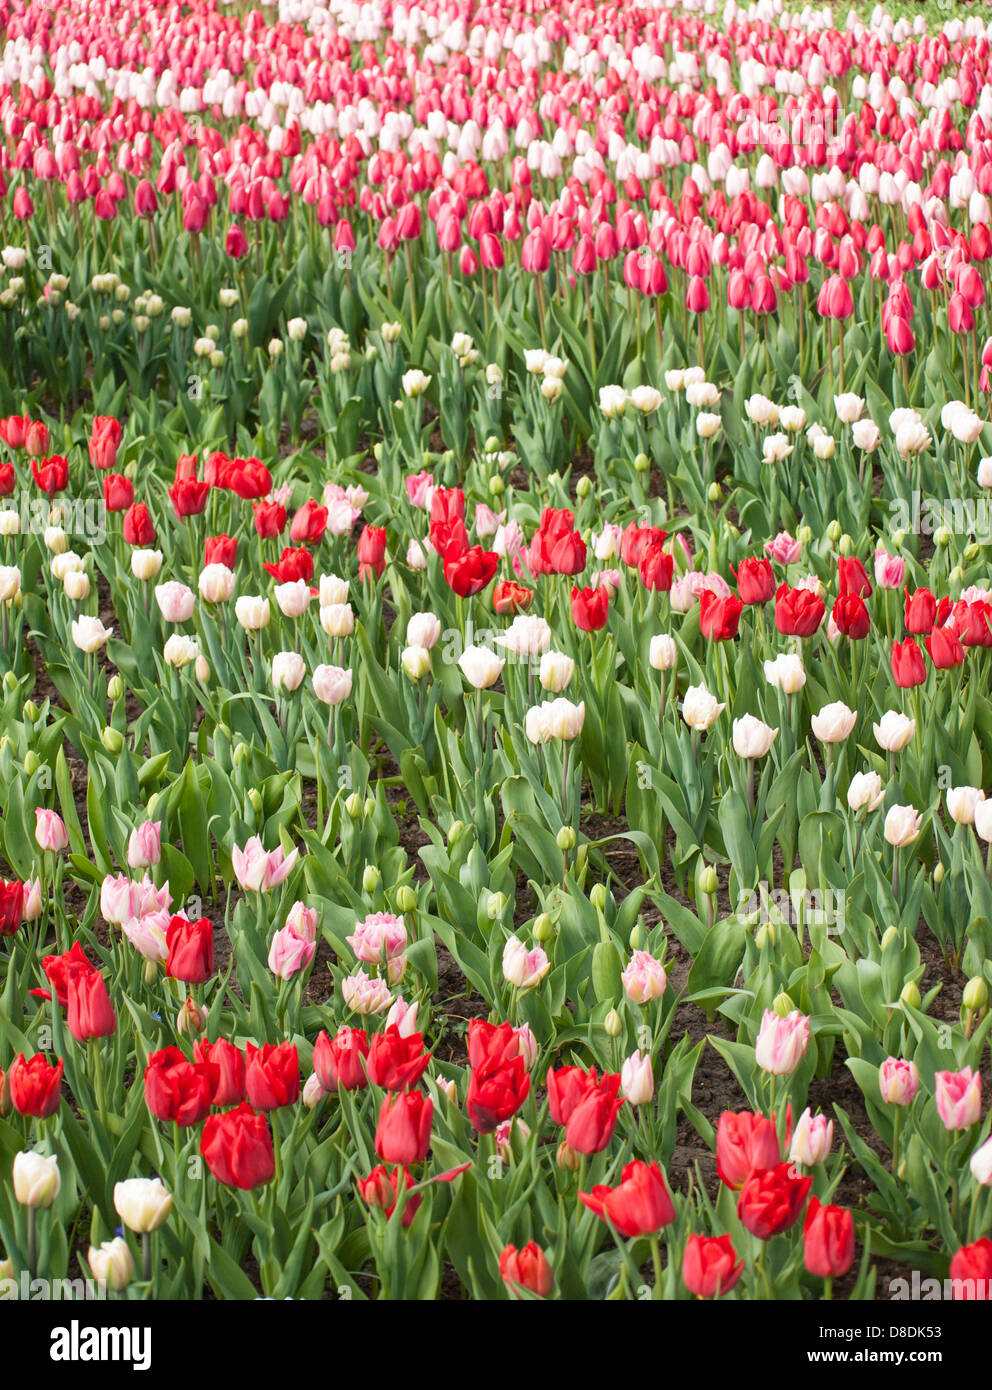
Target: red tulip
{"points": [[177, 1089], [719, 618], [590, 608], [396, 1063], [921, 610], [656, 567], [745, 1144], [971, 1272], [191, 950], [340, 1061], [527, 1269], [238, 1149], [59, 970], [189, 497], [710, 1266], [755, 580], [403, 1134], [51, 474], [945, 649], [640, 1205], [798, 612], [828, 1240], [852, 617], [510, 598], [908, 667], [372, 551], [852, 578], [229, 1061], [105, 441], [469, 572], [220, 550], [272, 1075], [771, 1200], [11, 906], [138, 529], [497, 1088], [35, 1085], [90, 1012], [310, 523], [293, 564], [118, 492], [270, 518]]}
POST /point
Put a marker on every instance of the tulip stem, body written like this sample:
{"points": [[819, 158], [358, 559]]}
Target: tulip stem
{"points": [[656, 1262], [32, 1241], [146, 1256]]}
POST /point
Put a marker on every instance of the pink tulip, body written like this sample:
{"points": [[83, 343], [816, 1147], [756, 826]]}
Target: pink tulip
{"points": [[898, 1081], [49, 830], [782, 1042], [259, 871], [959, 1098], [144, 848], [289, 953]]}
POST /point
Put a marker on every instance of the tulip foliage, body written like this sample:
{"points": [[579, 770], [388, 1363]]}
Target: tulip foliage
{"points": [[495, 624]]}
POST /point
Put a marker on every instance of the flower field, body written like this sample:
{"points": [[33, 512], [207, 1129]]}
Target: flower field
{"points": [[495, 626]]}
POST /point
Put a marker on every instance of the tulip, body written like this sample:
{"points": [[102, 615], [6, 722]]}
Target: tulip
{"points": [[971, 1271], [90, 1012], [898, 1081], [865, 792], [637, 1079], [782, 1042], [527, 1268], [144, 846], [834, 722], [710, 1266], [190, 950], [644, 978], [403, 1132], [959, 1098], [700, 709], [894, 731], [36, 1179], [49, 831], [745, 1144], [771, 1200], [640, 1205], [828, 1240], [35, 1087], [480, 666], [752, 738], [237, 1147], [811, 1139], [902, 825], [112, 1263]]}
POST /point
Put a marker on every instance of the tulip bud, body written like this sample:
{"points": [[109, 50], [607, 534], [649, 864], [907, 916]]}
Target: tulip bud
{"points": [[454, 834], [636, 938], [708, 881], [495, 903], [642, 463], [783, 1005], [370, 806], [565, 839], [613, 1024], [496, 485], [353, 806], [241, 753], [911, 995], [956, 576], [764, 937], [377, 452], [255, 800], [112, 740], [151, 971], [714, 492], [976, 995], [567, 1158], [31, 762], [31, 712], [942, 536], [115, 688], [972, 552], [938, 873], [804, 535], [370, 879], [191, 1021], [583, 487], [10, 681], [890, 937], [834, 532], [598, 897], [406, 899], [543, 929]]}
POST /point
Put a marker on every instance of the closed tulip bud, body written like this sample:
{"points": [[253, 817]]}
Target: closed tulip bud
{"points": [[942, 536], [956, 576], [369, 806], [406, 899], [31, 712], [764, 937], [255, 800], [938, 873], [911, 995], [890, 938], [543, 927], [455, 832], [565, 839], [613, 1024], [31, 762], [112, 740], [583, 487], [804, 535], [36, 1179], [782, 1004], [976, 995], [313, 1092], [496, 485], [714, 492], [568, 1158], [191, 1021], [353, 806], [242, 753], [495, 904], [370, 879], [598, 897], [708, 881], [115, 688], [846, 544], [834, 532], [416, 662], [642, 463], [112, 1264], [637, 1079]]}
